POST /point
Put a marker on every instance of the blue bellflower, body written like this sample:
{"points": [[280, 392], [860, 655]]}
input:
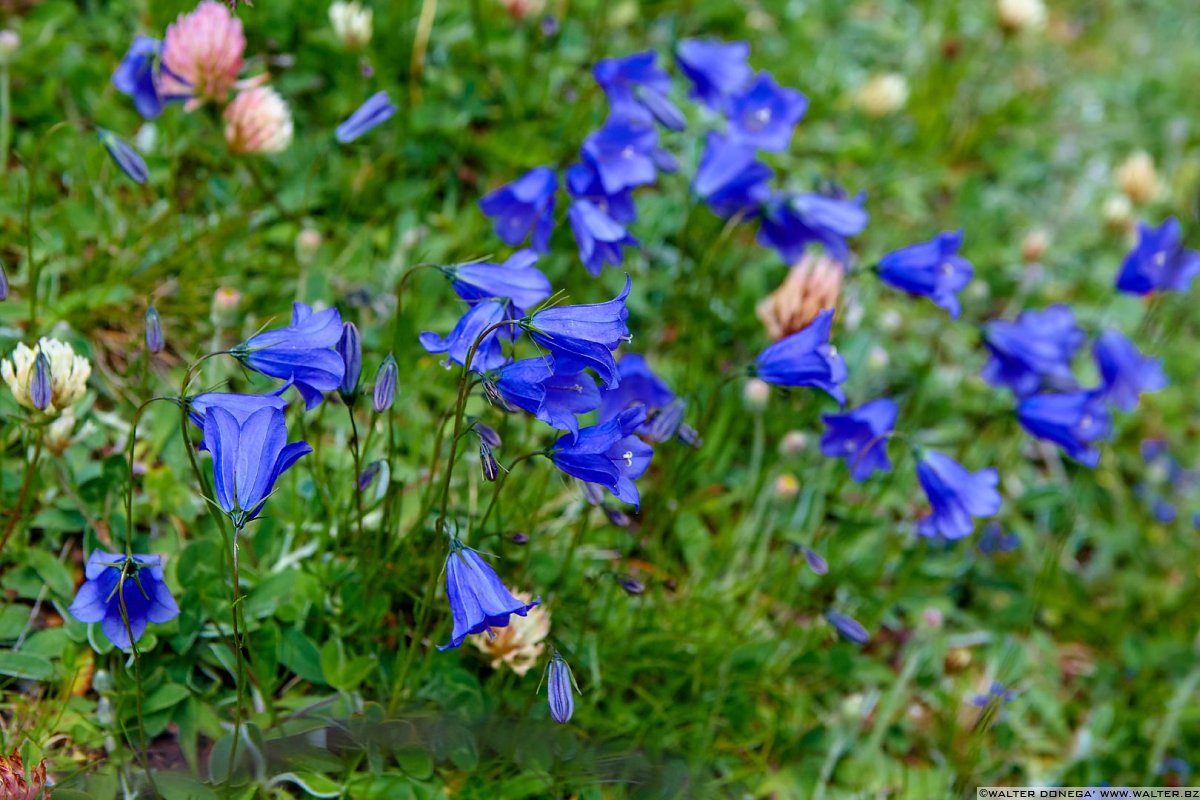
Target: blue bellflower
{"points": [[479, 317], [301, 353], [765, 114], [607, 454], [526, 204], [532, 385], [248, 457], [377, 110], [716, 69], [559, 685], [241, 406], [955, 495], [1035, 349], [625, 155], [583, 336], [860, 436], [805, 358], [124, 156], [583, 182], [110, 581], [930, 269], [730, 178], [1074, 421], [517, 279], [791, 222], [1125, 372], [600, 238], [637, 90], [1159, 262], [137, 76], [994, 540], [640, 386], [478, 599]]}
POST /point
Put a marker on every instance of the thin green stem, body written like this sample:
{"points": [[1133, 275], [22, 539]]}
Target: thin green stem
{"points": [[26, 484], [32, 265]]}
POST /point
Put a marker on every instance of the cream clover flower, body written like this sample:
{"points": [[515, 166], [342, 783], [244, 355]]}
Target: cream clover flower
{"points": [[521, 643], [351, 23], [69, 374]]}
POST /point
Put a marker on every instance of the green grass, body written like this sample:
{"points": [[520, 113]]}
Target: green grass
{"points": [[722, 678]]}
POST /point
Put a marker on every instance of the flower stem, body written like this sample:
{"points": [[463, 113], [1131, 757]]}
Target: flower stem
{"points": [[26, 484], [31, 262]]}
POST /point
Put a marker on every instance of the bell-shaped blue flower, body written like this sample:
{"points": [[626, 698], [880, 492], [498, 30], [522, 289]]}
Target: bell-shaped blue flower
{"points": [[583, 182], [241, 406], [377, 110], [1159, 262], [583, 336], [932, 269], [607, 454], [956, 496], [137, 76], [1074, 421], [765, 114], [248, 457], [860, 436], [716, 69], [479, 317], [624, 155], [301, 353], [637, 90], [110, 581], [526, 204], [124, 156], [730, 178], [517, 279], [478, 599], [792, 222], [1034, 349], [1125, 372], [532, 385], [805, 358], [641, 386], [600, 238]]}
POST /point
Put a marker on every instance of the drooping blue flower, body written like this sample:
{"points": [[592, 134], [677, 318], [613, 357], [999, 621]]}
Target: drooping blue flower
{"points": [[765, 114], [1074, 421], [583, 182], [1125, 372], [241, 406], [517, 279], [110, 581], [791, 222], [730, 178], [955, 495], [607, 454], [640, 386], [625, 155], [478, 599], [805, 358], [849, 628], [860, 436], [994, 539], [349, 347], [637, 90], [583, 336], [384, 392], [526, 204], [137, 76], [932, 269], [301, 353], [600, 238], [377, 110], [479, 317], [41, 386], [559, 686], [248, 457], [1159, 262], [1034, 349], [716, 69], [124, 156], [1163, 511], [533, 385]]}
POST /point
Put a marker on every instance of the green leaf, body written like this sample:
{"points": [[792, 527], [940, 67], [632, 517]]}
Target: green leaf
{"points": [[165, 696], [314, 785], [178, 786], [26, 665], [13, 619], [300, 655]]}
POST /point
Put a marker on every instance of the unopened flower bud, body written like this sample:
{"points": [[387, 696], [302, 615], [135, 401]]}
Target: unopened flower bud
{"points": [[815, 562], [1137, 178], [850, 629], [60, 433], [352, 23], [882, 94], [349, 347], [756, 394], [877, 358], [154, 331], [631, 585], [617, 517], [385, 384], [308, 242], [793, 443], [369, 474], [1117, 213], [3, 284], [10, 43], [487, 462], [519, 538], [559, 685], [786, 486], [933, 617], [225, 307], [1033, 246], [40, 389], [487, 434], [520, 9], [1021, 15]]}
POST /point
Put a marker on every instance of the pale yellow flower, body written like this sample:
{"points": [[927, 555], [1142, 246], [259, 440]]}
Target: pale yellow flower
{"points": [[519, 644], [69, 374], [883, 94], [1138, 178]]}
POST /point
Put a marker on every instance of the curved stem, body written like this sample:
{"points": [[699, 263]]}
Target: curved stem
{"points": [[487, 513], [354, 448], [401, 285], [26, 484]]}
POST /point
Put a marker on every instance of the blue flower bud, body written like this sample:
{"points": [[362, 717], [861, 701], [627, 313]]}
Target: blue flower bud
{"points": [[41, 390], [154, 332], [125, 157], [487, 434], [491, 469], [369, 475], [385, 384], [559, 688], [850, 629], [349, 347], [815, 562], [631, 585], [3, 283]]}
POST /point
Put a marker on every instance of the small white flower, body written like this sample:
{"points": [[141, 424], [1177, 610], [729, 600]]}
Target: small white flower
{"points": [[1021, 15], [351, 23], [69, 374], [883, 94], [1137, 178]]}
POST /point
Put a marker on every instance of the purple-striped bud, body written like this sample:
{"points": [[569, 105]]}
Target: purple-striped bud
{"points": [[154, 332], [41, 390], [385, 384], [815, 562], [849, 628], [617, 517], [349, 347], [487, 434], [559, 683], [369, 474], [491, 469], [520, 537], [631, 585], [3, 283]]}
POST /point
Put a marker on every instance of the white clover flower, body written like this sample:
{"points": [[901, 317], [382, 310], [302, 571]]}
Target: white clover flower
{"points": [[1137, 178], [1021, 15], [258, 122], [520, 644], [61, 432], [69, 374], [883, 94], [352, 23]]}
